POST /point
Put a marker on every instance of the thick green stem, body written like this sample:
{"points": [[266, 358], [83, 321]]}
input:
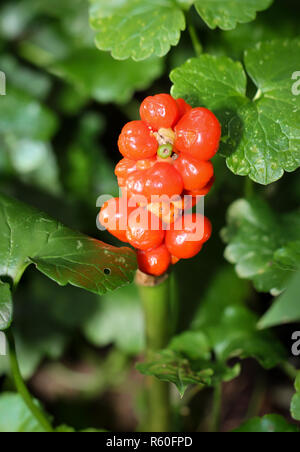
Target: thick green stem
{"points": [[216, 410], [155, 296], [21, 387]]}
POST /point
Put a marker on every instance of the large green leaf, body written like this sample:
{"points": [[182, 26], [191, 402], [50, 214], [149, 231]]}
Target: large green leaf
{"points": [[261, 137], [183, 364], [226, 14], [286, 308], [236, 335], [6, 306], [295, 405], [136, 28], [15, 417], [255, 235], [230, 326], [272, 423], [271, 140], [29, 236]]}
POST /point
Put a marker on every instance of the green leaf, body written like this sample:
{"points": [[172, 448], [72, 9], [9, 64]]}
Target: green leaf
{"points": [[15, 417], [226, 14], [295, 407], [272, 423], [225, 290], [29, 236], [288, 257], [213, 81], [270, 143], [285, 309], [295, 404], [109, 322], [136, 28], [236, 335], [6, 306], [254, 235], [230, 327], [177, 368], [261, 137], [109, 80], [23, 116]]}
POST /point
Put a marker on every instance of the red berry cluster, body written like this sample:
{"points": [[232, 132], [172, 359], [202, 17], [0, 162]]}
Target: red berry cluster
{"points": [[167, 152]]}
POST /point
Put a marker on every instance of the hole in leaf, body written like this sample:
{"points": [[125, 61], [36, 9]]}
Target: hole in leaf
{"points": [[107, 271]]}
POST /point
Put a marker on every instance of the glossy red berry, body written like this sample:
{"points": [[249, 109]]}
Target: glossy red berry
{"points": [[187, 236], [114, 217], [154, 262], [123, 169], [183, 107], [163, 179], [144, 230], [202, 191], [160, 111], [195, 173], [136, 141], [126, 167], [135, 184], [198, 134]]}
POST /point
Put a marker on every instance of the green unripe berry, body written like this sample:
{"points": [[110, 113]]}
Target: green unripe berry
{"points": [[165, 151]]}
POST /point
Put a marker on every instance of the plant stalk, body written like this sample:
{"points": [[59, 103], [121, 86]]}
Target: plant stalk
{"points": [[216, 410], [155, 296], [22, 388], [195, 40]]}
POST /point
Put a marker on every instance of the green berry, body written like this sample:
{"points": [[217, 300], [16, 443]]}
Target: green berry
{"points": [[165, 151]]}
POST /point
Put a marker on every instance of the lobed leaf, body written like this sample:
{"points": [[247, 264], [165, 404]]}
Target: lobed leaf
{"points": [[255, 237], [226, 14], [261, 137], [137, 28]]}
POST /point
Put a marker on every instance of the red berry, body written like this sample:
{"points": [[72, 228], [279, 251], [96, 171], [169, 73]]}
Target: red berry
{"points": [[114, 216], [136, 141], [184, 240], [160, 111], [144, 230], [135, 184], [202, 191], [163, 179], [154, 262], [198, 133], [195, 174], [183, 107], [126, 167]]}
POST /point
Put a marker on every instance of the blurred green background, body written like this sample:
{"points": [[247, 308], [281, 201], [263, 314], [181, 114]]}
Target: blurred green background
{"points": [[66, 103]]}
